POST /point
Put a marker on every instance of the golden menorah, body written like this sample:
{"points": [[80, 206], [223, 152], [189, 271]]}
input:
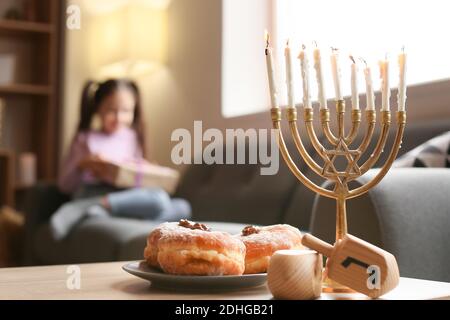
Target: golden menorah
{"points": [[340, 147], [340, 144]]}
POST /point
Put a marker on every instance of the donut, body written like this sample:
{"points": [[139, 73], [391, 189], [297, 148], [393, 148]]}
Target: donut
{"points": [[151, 250], [187, 248], [262, 242]]}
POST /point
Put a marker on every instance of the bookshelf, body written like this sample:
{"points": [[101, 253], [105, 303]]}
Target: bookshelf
{"points": [[25, 89], [31, 101], [17, 27]]}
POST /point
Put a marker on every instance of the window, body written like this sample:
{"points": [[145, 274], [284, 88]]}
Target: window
{"points": [[244, 78], [369, 29]]}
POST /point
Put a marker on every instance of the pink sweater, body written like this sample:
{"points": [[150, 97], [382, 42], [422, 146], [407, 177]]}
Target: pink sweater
{"points": [[121, 146]]}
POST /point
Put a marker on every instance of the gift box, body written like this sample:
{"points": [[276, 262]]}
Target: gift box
{"points": [[144, 174]]}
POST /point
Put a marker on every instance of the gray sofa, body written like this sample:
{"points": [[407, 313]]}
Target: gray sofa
{"points": [[408, 214], [229, 197]]}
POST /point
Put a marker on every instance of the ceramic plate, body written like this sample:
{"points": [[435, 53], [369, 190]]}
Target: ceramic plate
{"points": [[170, 281]]}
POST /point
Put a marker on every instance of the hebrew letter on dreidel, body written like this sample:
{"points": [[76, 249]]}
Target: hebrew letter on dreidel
{"points": [[358, 264]]}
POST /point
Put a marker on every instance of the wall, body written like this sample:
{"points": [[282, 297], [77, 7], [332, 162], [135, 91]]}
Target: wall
{"points": [[189, 87]]}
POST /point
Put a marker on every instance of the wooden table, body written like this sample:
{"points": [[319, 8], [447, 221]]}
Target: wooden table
{"points": [[109, 281]]}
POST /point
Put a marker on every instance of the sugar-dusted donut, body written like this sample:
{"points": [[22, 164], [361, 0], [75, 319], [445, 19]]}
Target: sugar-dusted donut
{"points": [[262, 242], [151, 250], [188, 248]]}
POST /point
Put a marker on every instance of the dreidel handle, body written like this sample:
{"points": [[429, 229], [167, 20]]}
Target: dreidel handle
{"points": [[320, 246]]}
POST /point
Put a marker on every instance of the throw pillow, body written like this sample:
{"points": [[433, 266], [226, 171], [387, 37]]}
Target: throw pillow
{"points": [[433, 153]]}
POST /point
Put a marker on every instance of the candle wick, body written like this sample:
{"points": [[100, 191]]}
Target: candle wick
{"points": [[363, 60], [315, 43], [334, 49], [351, 58], [303, 46], [287, 42], [403, 49]]}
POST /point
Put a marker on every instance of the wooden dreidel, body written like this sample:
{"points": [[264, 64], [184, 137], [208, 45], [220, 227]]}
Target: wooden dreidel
{"points": [[357, 264], [295, 274]]}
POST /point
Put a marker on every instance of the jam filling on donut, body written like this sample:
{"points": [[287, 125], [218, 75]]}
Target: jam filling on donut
{"points": [[191, 225], [248, 230]]}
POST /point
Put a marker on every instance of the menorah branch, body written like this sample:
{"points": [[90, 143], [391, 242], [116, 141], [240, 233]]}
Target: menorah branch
{"points": [[276, 121], [371, 118], [340, 112], [325, 122], [379, 148], [401, 123], [291, 114], [308, 118], [356, 121]]}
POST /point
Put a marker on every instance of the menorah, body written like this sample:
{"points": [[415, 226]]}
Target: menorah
{"points": [[339, 141], [340, 147]]}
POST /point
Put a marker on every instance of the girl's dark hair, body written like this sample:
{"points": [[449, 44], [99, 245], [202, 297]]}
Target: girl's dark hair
{"points": [[94, 93]]}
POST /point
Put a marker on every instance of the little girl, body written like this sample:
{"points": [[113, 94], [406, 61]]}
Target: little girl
{"points": [[110, 130]]}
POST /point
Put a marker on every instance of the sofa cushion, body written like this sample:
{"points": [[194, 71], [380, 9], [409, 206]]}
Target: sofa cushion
{"points": [[433, 153]]}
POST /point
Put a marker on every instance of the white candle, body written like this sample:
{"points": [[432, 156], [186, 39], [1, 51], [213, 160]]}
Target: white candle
{"points": [[354, 79], [319, 76], [336, 74], [369, 89], [305, 78], [385, 90], [289, 80], [401, 99], [270, 74]]}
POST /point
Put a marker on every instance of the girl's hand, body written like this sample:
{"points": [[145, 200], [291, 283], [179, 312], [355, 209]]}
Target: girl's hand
{"points": [[89, 163], [100, 168]]}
